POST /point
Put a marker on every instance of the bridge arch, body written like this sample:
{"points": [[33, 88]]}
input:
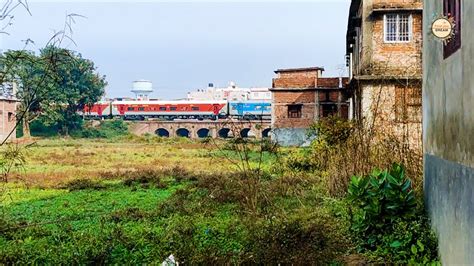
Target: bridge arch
{"points": [[266, 133], [246, 133], [182, 132], [162, 132], [203, 133], [224, 133]]}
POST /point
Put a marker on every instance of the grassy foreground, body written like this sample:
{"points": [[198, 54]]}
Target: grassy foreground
{"points": [[137, 200]]}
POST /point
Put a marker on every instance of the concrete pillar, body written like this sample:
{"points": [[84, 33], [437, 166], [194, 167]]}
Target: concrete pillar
{"points": [[172, 132], [213, 132], [193, 133]]}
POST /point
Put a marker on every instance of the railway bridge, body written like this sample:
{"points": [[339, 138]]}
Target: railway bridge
{"points": [[202, 129]]}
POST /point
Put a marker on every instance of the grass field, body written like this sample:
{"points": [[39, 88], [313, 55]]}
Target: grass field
{"points": [[138, 200], [134, 200]]}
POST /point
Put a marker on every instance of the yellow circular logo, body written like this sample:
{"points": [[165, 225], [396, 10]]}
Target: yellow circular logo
{"points": [[442, 28]]}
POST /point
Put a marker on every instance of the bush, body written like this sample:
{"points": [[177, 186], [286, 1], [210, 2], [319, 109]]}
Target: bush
{"points": [[303, 238], [300, 160], [387, 220], [106, 129], [81, 184], [333, 130]]}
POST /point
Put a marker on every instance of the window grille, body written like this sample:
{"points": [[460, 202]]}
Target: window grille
{"points": [[398, 28]]}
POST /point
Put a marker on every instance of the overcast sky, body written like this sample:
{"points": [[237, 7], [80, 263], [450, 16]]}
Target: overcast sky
{"points": [[182, 46]]}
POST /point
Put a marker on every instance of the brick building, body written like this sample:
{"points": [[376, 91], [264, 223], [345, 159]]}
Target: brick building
{"points": [[7, 118], [384, 48], [300, 97]]}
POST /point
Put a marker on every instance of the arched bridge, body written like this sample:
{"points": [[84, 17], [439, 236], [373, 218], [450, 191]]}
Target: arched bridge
{"points": [[202, 129]]}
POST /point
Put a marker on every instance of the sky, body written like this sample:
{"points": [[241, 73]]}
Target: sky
{"points": [[184, 45]]}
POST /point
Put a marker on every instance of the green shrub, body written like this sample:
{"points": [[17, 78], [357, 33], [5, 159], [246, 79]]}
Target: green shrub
{"points": [[304, 237], [387, 220], [299, 160], [332, 129], [106, 129], [81, 184]]}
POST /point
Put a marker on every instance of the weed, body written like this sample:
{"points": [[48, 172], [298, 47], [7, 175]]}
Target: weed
{"points": [[387, 219], [81, 184]]}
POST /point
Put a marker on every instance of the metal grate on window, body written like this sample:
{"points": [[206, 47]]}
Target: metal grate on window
{"points": [[398, 27]]}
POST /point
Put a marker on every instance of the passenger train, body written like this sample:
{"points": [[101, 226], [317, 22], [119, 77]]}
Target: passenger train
{"points": [[172, 110]]}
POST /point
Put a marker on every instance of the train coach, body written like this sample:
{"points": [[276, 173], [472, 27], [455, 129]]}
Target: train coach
{"points": [[171, 110]]}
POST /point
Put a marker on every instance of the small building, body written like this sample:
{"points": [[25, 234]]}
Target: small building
{"points": [[300, 97], [8, 107], [384, 55], [448, 130], [230, 93]]}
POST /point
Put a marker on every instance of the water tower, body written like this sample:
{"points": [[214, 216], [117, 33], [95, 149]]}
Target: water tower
{"points": [[142, 88]]}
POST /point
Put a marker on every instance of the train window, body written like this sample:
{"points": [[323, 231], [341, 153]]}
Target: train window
{"points": [[162, 108], [195, 108], [130, 109], [141, 108], [173, 108], [258, 107]]}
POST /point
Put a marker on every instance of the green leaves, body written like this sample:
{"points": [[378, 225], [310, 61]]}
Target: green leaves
{"points": [[395, 244], [385, 216]]}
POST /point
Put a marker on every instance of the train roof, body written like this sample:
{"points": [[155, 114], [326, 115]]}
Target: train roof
{"points": [[169, 102]]}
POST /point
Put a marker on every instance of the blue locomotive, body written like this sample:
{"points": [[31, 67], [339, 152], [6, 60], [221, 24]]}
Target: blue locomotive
{"points": [[250, 110]]}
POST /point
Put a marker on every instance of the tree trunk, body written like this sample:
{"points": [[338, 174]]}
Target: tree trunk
{"points": [[26, 126]]}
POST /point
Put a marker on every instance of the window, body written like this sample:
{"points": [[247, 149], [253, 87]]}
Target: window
{"points": [[408, 104], [11, 116], [141, 108], [173, 108], [329, 110], [397, 28], [452, 9], [162, 108], [130, 109], [294, 111], [195, 108]]}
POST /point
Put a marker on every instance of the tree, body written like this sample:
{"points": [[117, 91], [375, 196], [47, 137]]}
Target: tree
{"points": [[25, 71], [74, 85]]}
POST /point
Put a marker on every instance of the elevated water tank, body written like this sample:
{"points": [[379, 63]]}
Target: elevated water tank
{"points": [[142, 89]]}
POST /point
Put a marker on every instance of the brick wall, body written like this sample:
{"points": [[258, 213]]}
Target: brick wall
{"points": [[379, 111], [281, 100], [7, 119], [295, 82], [296, 79], [331, 82], [396, 58], [379, 4]]}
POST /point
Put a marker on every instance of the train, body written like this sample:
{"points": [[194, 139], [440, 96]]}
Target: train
{"points": [[173, 110]]}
